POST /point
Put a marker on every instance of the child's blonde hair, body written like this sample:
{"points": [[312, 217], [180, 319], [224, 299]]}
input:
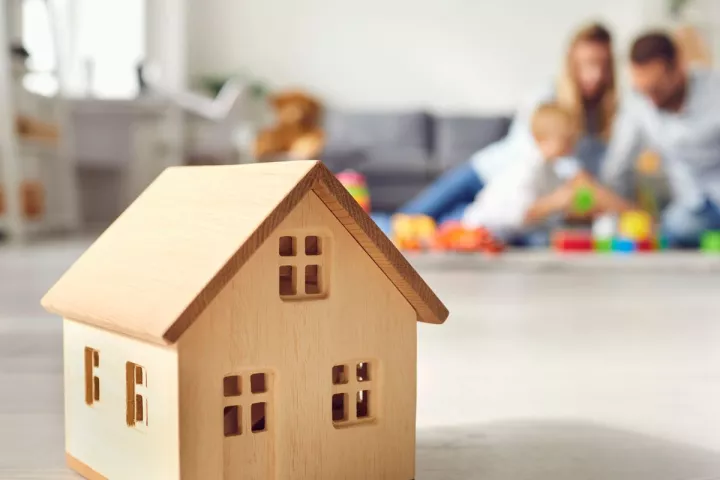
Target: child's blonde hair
{"points": [[551, 119]]}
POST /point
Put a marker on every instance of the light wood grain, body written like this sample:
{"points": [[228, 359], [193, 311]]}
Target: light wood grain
{"points": [[98, 435], [249, 328], [163, 261]]}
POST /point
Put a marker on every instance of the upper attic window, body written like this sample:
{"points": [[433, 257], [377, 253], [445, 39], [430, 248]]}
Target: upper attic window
{"points": [[302, 267]]}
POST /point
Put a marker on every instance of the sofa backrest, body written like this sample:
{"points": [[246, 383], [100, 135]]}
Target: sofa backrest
{"points": [[457, 137], [360, 129]]}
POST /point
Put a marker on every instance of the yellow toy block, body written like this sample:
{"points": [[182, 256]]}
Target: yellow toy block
{"points": [[636, 225]]}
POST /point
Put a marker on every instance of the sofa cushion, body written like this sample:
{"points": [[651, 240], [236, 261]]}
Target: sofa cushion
{"points": [[456, 138]]}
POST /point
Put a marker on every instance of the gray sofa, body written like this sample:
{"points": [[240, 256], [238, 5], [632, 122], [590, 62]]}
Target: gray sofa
{"points": [[401, 153]]}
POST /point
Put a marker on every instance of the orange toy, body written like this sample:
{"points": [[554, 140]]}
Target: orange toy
{"points": [[452, 236], [413, 232]]}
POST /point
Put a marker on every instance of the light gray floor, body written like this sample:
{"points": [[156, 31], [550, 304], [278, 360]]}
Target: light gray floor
{"points": [[601, 371]]}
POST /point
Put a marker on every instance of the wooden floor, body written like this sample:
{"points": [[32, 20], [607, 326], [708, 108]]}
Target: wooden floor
{"points": [[553, 373]]}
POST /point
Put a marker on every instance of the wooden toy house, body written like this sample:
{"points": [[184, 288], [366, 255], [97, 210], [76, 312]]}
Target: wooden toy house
{"points": [[242, 322]]}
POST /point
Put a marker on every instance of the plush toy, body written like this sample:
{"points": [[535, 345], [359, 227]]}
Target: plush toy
{"points": [[297, 133]]}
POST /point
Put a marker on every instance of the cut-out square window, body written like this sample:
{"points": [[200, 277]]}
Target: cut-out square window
{"points": [[287, 280], [136, 383], [96, 389], [92, 382], [287, 247], [339, 407], [232, 418], [354, 385], [232, 386], [312, 245], [302, 267], [251, 399], [258, 417], [312, 279], [363, 372], [139, 414], [339, 375], [258, 383], [363, 404]]}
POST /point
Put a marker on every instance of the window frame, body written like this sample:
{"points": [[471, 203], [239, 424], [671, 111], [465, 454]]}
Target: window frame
{"points": [[348, 384], [92, 380], [136, 398], [300, 262], [246, 397]]}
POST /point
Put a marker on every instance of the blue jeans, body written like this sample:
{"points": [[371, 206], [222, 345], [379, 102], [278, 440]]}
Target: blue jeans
{"points": [[684, 226], [448, 196]]}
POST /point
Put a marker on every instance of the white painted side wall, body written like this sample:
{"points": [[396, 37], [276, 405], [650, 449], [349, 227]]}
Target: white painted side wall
{"points": [[98, 435]]}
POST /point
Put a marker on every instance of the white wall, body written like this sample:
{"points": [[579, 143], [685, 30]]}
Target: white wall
{"points": [[457, 55]]}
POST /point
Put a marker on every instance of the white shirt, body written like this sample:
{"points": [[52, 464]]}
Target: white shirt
{"points": [[688, 142], [501, 206], [519, 143]]}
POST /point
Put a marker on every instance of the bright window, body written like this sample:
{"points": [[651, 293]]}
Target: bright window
{"points": [[105, 42]]}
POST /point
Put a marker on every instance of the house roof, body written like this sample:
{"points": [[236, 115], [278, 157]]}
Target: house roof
{"points": [[157, 267]]}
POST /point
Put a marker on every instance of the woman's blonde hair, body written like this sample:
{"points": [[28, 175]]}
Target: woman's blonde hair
{"points": [[568, 93]]}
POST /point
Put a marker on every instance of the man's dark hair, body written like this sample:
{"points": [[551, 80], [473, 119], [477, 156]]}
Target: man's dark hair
{"points": [[654, 46]]}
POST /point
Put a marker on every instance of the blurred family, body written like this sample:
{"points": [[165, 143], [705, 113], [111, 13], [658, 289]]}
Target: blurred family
{"points": [[573, 135]]}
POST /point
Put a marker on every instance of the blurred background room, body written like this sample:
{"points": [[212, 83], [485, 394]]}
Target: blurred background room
{"points": [[575, 359]]}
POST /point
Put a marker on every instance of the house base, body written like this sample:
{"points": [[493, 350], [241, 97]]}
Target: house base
{"points": [[82, 469]]}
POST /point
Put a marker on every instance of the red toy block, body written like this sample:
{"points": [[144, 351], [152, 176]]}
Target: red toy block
{"points": [[647, 245], [573, 241]]}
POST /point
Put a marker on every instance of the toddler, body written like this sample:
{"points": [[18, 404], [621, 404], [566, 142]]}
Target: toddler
{"points": [[542, 186]]}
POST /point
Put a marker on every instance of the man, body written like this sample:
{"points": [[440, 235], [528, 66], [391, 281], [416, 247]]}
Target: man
{"points": [[675, 112]]}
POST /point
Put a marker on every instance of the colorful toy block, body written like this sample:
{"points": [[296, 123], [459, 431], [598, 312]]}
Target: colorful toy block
{"points": [[710, 241], [635, 225], [605, 227], [603, 244], [356, 185], [452, 236], [572, 241], [413, 232], [623, 245]]}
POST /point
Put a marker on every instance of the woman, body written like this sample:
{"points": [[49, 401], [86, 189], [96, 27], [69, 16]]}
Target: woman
{"points": [[586, 88]]}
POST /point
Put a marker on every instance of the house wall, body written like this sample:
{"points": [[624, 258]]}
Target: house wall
{"points": [[248, 328], [98, 435]]}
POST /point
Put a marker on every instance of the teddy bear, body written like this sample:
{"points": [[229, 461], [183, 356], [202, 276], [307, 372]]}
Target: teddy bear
{"points": [[297, 133]]}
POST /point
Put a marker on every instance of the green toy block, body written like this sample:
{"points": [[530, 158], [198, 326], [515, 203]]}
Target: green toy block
{"points": [[584, 200], [660, 242], [710, 241], [603, 245]]}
